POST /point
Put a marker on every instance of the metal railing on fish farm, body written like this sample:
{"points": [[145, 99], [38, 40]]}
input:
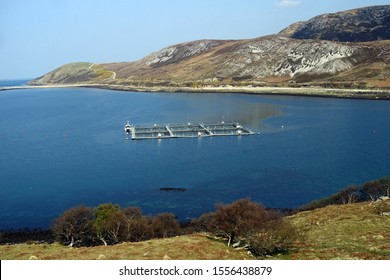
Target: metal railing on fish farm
{"points": [[158, 131]]}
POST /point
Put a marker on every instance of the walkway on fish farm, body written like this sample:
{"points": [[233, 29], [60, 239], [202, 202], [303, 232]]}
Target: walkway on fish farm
{"points": [[158, 131]]}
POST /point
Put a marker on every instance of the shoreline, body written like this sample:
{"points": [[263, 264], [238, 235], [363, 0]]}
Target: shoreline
{"points": [[369, 94]]}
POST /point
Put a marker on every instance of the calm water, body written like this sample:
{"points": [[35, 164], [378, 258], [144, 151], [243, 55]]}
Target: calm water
{"points": [[60, 148], [10, 83]]}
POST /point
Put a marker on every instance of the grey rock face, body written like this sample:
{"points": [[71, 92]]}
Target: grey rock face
{"points": [[359, 25]]}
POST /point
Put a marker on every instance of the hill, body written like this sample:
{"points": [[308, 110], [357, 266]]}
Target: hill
{"points": [[350, 231], [357, 25], [304, 54]]}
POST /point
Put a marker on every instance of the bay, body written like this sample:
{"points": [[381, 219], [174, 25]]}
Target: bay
{"points": [[60, 148]]}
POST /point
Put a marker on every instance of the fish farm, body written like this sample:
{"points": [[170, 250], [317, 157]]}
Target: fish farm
{"points": [[159, 131]]}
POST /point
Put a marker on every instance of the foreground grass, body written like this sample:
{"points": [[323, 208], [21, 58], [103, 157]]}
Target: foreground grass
{"points": [[352, 231], [188, 247]]}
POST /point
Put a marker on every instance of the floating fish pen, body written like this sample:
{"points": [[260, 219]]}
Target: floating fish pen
{"points": [[158, 131]]}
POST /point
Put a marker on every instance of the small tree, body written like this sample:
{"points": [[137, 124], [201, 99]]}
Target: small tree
{"points": [[165, 225], [74, 225], [241, 218], [376, 189], [138, 227], [109, 223], [276, 236], [204, 222], [348, 195]]}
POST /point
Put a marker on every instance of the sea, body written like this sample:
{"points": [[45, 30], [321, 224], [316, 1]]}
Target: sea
{"points": [[64, 147]]}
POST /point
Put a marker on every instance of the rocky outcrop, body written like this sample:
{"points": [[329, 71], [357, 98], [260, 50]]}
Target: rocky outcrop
{"points": [[248, 60], [179, 52], [283, 56], [358, 25]]}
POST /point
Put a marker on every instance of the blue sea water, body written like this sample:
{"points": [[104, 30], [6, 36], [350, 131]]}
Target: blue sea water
{"points": [[60, 148], [12, 83]]}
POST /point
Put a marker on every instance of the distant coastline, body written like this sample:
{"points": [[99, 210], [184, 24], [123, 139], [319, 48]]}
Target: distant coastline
{"points": [[314, 58], [370, 94]]}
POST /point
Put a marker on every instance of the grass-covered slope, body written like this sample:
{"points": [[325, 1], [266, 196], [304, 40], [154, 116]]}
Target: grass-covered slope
{"points": [[68, 74], [186, 247], [350, 231]]}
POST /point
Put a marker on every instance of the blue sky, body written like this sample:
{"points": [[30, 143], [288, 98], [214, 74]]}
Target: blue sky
{"points": [[38, 36]]}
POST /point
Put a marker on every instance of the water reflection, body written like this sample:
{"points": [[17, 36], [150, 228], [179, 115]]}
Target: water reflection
{"points": [[237, 108]]}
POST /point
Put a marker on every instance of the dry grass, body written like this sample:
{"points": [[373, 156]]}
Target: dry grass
{"points": [[189, 247], [380, 83], [352, 231], [101, 73], [277, 79]]}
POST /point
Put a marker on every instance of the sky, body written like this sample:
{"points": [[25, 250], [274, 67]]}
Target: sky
{"points": [[41, 35]]}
